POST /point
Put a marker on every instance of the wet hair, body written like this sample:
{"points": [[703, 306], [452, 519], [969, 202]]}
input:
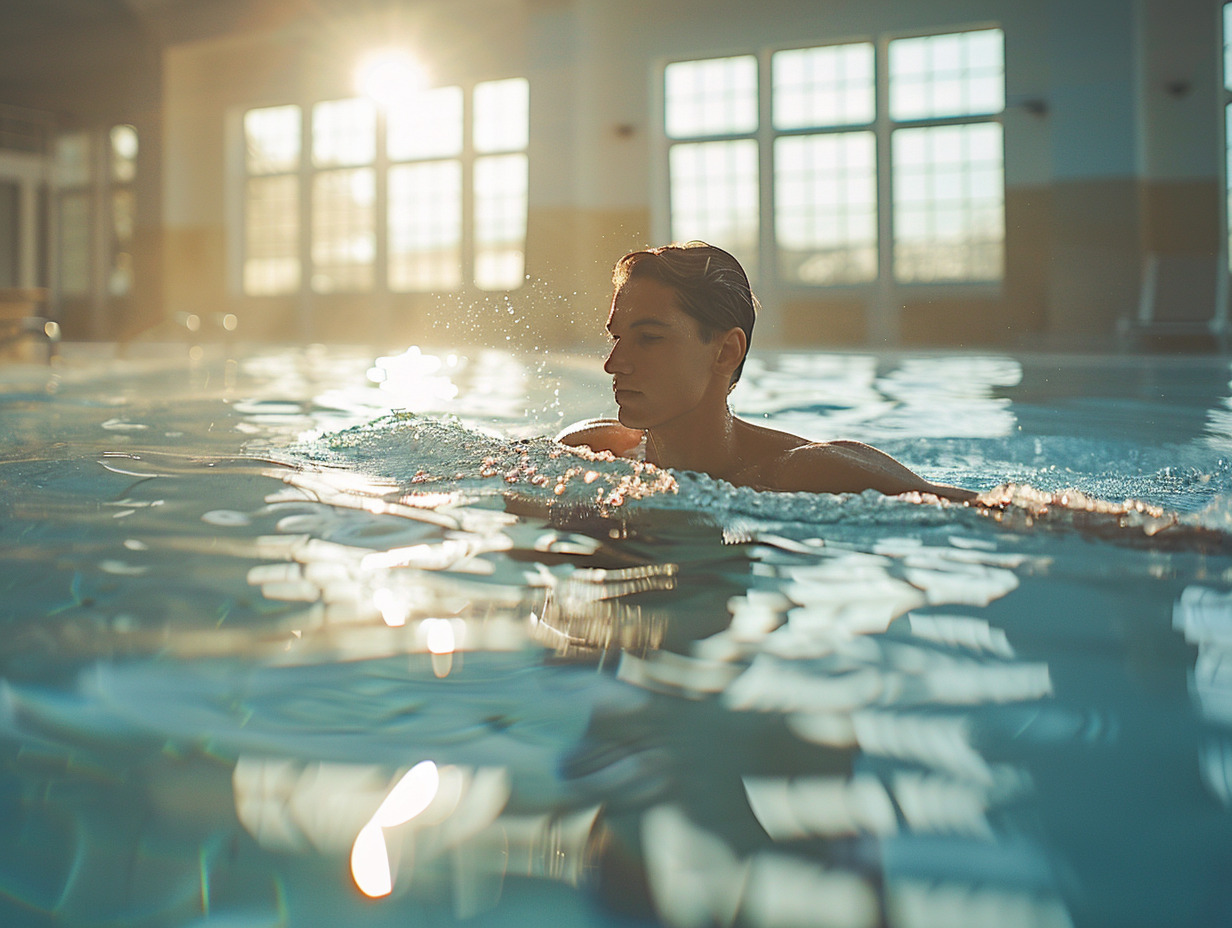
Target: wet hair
{"points": [[710, 286]]}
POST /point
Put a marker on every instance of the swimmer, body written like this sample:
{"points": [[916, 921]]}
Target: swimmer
{"points": [[680, 323]]}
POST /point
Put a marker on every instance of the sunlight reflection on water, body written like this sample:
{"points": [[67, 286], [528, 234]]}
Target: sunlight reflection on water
{"points": [[330, 658]]}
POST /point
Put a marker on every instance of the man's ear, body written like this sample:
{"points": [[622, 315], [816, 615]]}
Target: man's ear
{"points": [[731, 350]]}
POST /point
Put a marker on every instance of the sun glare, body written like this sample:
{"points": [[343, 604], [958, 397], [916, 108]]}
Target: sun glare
{"points": [[370, 864], [388, 76]]}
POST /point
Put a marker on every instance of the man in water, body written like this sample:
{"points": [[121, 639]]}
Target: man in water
{"points": [[681, 322]]}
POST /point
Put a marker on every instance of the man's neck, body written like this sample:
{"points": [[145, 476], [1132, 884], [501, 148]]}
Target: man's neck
{"points": [[703, 440]]}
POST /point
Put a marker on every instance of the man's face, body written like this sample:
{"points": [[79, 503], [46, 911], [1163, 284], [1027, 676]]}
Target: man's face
{"points": [[660, 366]]}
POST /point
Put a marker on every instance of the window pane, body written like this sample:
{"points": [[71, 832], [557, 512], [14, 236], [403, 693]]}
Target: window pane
{"points": [[123, 154], [343, 232], [714, 196], [949, 212], [426, 125], [120, 281], [343, 133], [717, 96], [123, 218], [962, 74], [75, 244], [502, 115], [830, 86], [272, 135], [1227, 46], [271, 235], [425, 226], [825, 198], [500, 221], [73, 159]]}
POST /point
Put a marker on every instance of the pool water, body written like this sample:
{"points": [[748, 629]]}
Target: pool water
{"points": [[327, 637]]}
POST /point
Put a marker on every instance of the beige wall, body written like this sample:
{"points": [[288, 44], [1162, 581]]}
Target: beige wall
{"points": [[1105, 161]]}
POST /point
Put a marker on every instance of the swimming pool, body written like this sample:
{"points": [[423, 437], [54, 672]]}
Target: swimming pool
{"points": [[322, 637]]}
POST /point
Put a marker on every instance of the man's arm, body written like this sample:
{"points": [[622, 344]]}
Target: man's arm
{"points": [[601, 435], [853, 467]]}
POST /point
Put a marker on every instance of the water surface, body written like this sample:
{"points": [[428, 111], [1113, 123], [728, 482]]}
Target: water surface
{"points": [[320, 637]]}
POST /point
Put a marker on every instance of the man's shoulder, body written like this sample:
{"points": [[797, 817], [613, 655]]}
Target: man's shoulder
{"points": [[799, 463], [601, 435], [839, 466], [845, 466]]}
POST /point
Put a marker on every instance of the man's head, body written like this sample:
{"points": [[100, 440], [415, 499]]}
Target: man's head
{"points": [[710, 286]]}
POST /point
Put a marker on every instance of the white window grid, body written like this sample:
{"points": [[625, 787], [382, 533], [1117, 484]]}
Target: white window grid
{"points": [[826, 220], [425, 226], [74, 178], [1226, 14], [271, 218], [378, 201], [715, 193], [96, 211], [828, 215], [343, 230], [500, 221]]}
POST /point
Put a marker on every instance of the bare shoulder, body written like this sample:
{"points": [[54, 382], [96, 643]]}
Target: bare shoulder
{"points": [[851, 467], [601, 435]]}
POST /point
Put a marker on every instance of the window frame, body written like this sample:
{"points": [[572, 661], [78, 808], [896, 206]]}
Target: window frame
{"points": [[306, 172], [1223, 22], [105, 236], [884, 292]]}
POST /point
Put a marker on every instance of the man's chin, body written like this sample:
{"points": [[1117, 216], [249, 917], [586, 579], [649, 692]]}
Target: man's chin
{"points": [[629, 419]]}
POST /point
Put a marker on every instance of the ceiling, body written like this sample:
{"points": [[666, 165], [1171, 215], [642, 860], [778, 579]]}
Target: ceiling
{"points": [[82, 57], [100, 60]]}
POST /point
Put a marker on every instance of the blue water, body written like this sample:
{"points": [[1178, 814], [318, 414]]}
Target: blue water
{"points": [[322, 636]]}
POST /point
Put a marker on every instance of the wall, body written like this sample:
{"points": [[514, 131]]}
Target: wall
{"points": [[1107, 160]]}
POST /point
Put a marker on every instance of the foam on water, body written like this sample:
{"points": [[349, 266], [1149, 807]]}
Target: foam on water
{"points": [[428, 455]]}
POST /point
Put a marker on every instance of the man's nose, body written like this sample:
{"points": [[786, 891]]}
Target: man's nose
{"points": [[616, 362]]}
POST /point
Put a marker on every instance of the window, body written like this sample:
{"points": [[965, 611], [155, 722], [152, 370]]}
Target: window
{"points": [[826, 207], [714, 183], [947, 75], [1227, 117], [948, 206], [388, 195], [74, 178], [949, 221], [927, 168], [425, 226], [271, 201], [424, 141], [825, 173], [343, 195], [501, 170], [714, 194], [123, 155], [96, 211]]}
